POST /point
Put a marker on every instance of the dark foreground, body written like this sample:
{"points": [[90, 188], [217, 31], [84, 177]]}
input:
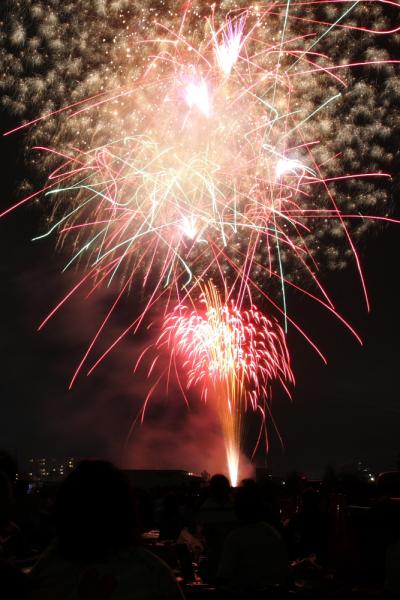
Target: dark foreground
{"points": [[96, 536]]}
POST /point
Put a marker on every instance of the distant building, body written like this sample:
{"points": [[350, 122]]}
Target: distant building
{"points": [[153, 478], [358, 468], [50, 469]]}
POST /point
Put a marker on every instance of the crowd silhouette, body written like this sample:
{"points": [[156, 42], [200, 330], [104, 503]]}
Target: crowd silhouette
{"points": [[96, 537]]}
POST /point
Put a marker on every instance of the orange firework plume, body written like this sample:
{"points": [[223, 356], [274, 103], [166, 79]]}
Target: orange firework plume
{"points": [[234, 355]]}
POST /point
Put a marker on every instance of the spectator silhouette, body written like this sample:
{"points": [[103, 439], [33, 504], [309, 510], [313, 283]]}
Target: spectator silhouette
{"points": [[270, 506], [170, 519], [218, 506], [96, 554], [12, 546], [216, 519], [381, 545], [254, 556], [308, 530], [13, 584], [8, 466], [392, 563]]}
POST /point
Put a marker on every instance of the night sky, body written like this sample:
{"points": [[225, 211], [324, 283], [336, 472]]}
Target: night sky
{"points": [[340, 413]]}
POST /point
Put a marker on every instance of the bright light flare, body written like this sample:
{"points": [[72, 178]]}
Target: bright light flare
{"points": [[289, 166], [227, 52], [188, 226], [197, 95]]}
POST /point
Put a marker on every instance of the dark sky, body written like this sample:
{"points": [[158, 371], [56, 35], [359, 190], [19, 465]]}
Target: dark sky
{"points": [[340, 412]]}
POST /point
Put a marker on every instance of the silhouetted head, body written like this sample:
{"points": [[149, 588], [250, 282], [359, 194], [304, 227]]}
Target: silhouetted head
{"points": [[310, 500], [5, 499], [219, 488], [249, 507], [13, 584], [95, 512], [249, 483], [8, 466], [170, 504]]}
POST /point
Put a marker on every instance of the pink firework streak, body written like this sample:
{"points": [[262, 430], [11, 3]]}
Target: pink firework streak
{"points": [[233, 356]]}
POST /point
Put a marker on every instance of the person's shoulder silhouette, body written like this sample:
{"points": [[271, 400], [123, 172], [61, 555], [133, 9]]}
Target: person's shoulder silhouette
{"points": [[97, 553]]}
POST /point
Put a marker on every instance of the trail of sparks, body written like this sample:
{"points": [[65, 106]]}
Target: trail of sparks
{"points": [[233, 355]]}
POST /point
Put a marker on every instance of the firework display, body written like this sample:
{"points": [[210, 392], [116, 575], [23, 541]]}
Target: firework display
{"points": [[212, 156], [233, 355]]}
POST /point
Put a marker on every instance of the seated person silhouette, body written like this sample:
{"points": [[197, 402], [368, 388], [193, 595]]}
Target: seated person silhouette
{"points": [[254, 556], [97, 553]]}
